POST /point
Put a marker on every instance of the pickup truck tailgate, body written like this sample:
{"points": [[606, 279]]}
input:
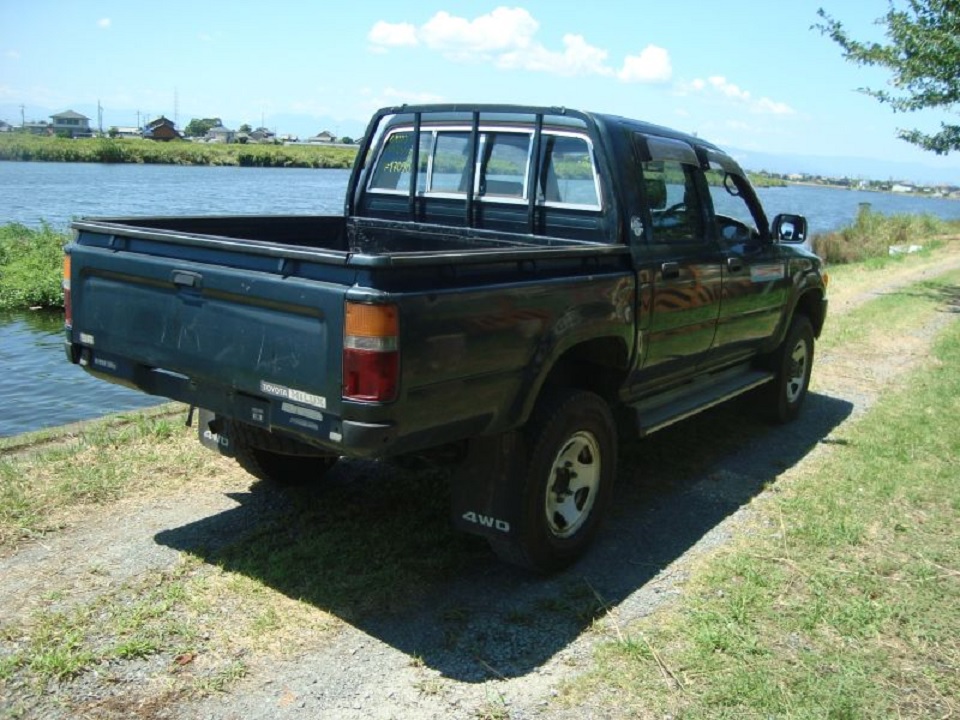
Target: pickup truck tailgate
{"points": [[240, 334]]}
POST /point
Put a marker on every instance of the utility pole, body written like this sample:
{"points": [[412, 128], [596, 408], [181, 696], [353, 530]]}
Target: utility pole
{"points": [[23, 120], [100, 116], [138, 121]]}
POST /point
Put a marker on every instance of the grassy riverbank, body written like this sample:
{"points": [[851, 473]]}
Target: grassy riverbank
{"points": [[31, 264], [18, 147], [872, 235]]}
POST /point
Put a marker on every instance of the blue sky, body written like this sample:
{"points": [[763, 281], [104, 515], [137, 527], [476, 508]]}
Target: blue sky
{"points": [[749, 75]]}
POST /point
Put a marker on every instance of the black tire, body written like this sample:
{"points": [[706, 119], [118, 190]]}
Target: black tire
{"points": [[792, 363], [561, 509], [276, 459]]}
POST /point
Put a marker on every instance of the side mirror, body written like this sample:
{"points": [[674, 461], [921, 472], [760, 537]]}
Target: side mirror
{"points": [[789, 229]]}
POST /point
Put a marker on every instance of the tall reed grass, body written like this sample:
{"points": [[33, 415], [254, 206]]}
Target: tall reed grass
{"points": [[30, 267], [872, 235]]}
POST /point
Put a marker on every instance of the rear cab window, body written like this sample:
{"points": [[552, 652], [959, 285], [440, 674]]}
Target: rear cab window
{"points": [[566, 174]]}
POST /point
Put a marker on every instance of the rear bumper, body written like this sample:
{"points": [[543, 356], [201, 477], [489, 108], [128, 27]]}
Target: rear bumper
{"points": [[314, 426]]}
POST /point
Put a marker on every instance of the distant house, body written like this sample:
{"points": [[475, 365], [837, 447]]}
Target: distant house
{"points": [[220, 134], [324, 137], [37, 128], [263, 135], [5, 126], [161, 129], [71, 124], [127, 131]]}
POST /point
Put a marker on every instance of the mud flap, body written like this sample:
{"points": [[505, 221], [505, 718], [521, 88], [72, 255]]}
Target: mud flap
{"points": [[212, 434], [487, 491]]}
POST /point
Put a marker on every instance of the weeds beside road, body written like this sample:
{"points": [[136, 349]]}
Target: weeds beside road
{"points": [[840, 598], [747, 571]]}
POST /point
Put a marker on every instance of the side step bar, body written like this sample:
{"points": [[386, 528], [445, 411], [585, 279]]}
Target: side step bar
{"points": [[660, 411]]}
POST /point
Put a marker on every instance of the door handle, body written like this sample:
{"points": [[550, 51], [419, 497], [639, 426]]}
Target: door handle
{"points": [[734, 264], [670, 270]]}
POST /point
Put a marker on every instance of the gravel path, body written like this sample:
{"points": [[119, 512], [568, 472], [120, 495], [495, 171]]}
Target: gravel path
{"points": [[491, 643]]}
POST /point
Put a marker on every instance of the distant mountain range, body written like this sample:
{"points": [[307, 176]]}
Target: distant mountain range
{"points": [[850, 167], [305, 126]]}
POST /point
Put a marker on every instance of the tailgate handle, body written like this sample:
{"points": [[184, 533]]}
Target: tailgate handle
{"points": [[670, 270], [186, 278]]}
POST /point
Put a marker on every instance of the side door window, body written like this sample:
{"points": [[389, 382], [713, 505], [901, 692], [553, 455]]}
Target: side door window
{"points": [[737, 222]]}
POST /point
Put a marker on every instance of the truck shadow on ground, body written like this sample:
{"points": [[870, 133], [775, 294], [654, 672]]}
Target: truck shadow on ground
{"points": [[373, 544]]}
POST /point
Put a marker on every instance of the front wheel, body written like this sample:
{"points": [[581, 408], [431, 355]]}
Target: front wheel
{"points": [[567, 483], [792, 364]]}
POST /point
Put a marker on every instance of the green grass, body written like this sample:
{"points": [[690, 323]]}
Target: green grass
{"points": [[842, 600], [130, 623], [15, 146], [897, 312], [41, 487], [31, 267]]}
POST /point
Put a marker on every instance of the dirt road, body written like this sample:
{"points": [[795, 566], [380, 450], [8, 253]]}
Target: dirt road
{"points": [[489, 642]]}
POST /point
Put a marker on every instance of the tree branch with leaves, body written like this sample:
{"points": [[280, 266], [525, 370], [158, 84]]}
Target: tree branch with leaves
{"points": [[923, 55]]}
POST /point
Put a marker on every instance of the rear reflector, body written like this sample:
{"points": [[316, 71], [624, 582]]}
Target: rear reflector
{"points": [[371, 357]]}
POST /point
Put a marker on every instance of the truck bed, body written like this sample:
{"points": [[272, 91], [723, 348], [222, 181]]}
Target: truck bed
{"points": [[204, 311], [323, 238]]}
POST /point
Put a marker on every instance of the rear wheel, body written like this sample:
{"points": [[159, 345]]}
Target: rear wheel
{"points": [[276, 459], [567, 484]]}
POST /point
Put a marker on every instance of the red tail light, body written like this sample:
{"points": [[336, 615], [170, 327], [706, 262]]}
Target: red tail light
{"points": [[371, 353], [67, 300]]}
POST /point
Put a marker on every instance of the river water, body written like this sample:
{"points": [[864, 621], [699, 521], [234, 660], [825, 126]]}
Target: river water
{"points": [[39, 388]]}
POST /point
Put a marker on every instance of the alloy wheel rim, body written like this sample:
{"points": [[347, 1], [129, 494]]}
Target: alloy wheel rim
{"points": [[798, 372], [573, 484]]}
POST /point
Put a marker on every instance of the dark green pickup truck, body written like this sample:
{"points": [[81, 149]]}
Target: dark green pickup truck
{"points": [[506, 283]]}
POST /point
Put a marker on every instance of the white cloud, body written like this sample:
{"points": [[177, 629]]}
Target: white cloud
{"points": [[720, 85], [12, 54], [651, 65], [766, 105], [103, 23], [501, 30], [384, 35], [578, 58], [506, 37]]}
